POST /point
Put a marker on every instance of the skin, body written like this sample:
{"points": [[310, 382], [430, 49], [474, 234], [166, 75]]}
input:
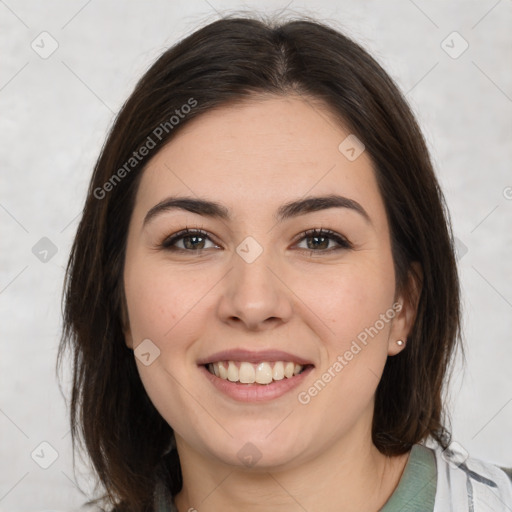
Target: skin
{"points": [[252, 158]]}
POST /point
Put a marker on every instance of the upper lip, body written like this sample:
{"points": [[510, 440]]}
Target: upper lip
{"points": [[253, 357]]}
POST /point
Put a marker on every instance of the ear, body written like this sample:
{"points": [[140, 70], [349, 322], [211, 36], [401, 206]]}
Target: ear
{"points": [[406, 310]]}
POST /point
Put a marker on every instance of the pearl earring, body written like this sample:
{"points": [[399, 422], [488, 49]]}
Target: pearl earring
{"points": [[400, 342]]}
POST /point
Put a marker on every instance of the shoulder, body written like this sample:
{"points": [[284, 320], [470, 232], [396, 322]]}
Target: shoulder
{"points": [[465, 481]]}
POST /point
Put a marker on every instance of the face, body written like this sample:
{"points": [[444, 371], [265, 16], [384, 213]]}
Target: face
{"points": [[258, 282]]}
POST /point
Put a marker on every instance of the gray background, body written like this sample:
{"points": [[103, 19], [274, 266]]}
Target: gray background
{"points": [[55, 115]]}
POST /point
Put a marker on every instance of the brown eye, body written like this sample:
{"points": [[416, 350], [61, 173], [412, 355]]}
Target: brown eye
{"points": [[194, 240], [318, 240]]}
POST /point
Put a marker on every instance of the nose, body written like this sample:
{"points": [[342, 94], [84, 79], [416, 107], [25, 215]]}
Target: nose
{"points": [[255, 296]]}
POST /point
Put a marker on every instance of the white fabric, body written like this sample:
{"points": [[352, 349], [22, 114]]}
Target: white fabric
{"points": [[467, 484]]}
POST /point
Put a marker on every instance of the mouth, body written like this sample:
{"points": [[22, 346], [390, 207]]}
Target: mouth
{"points": [[254, 376], [255, 381], [263, 373]]}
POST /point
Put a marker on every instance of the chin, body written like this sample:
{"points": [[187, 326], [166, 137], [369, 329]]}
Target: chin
{"points": [[257, 451]]}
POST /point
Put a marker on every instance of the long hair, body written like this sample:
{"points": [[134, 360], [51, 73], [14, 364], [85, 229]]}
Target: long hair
{"points": [[228, 61]]}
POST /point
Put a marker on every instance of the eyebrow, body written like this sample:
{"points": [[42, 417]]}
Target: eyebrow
{"points": [[286, 211]]}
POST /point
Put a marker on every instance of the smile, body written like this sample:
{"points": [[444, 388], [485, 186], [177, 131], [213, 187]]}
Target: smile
{"points": [[253, 391], [249, 373]]}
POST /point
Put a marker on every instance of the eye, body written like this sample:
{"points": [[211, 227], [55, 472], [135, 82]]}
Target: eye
{"points": [[320, 240], [193, 241]]}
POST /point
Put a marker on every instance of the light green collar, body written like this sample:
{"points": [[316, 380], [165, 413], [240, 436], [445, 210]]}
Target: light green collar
{"points": [[416, 490]]}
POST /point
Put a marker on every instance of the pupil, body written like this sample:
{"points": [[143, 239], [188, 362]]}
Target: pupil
{"points": [[190, 238], [316, 238]]}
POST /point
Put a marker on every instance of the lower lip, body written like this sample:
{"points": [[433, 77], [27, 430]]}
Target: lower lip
{"points": [[256, 392]]}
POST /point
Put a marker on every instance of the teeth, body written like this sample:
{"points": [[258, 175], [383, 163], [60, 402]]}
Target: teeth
{"points": [[278, 371], [232, 372], [288, 370], [248, 373]]}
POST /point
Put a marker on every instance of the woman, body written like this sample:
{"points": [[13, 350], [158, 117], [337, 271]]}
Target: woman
{"points": [[262, 298]]}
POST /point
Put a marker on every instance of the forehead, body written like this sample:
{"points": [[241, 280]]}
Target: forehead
{"points": [[265, 151]]}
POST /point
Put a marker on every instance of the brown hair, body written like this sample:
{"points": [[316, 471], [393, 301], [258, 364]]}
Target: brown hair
{"points": [[230, 60]]}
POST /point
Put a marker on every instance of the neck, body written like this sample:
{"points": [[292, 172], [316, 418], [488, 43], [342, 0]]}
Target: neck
{"points": [[349, 476]]}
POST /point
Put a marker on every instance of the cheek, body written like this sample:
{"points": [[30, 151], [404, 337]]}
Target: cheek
{"points": [[161, 308], [161, 301], [351, 297], [353, 304]]}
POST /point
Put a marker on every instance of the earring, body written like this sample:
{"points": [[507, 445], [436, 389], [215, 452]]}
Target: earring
{"points": [[399, 342]]}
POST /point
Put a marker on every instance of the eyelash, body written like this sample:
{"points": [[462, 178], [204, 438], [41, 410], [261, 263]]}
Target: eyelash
{"points": [[344, 244]]}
